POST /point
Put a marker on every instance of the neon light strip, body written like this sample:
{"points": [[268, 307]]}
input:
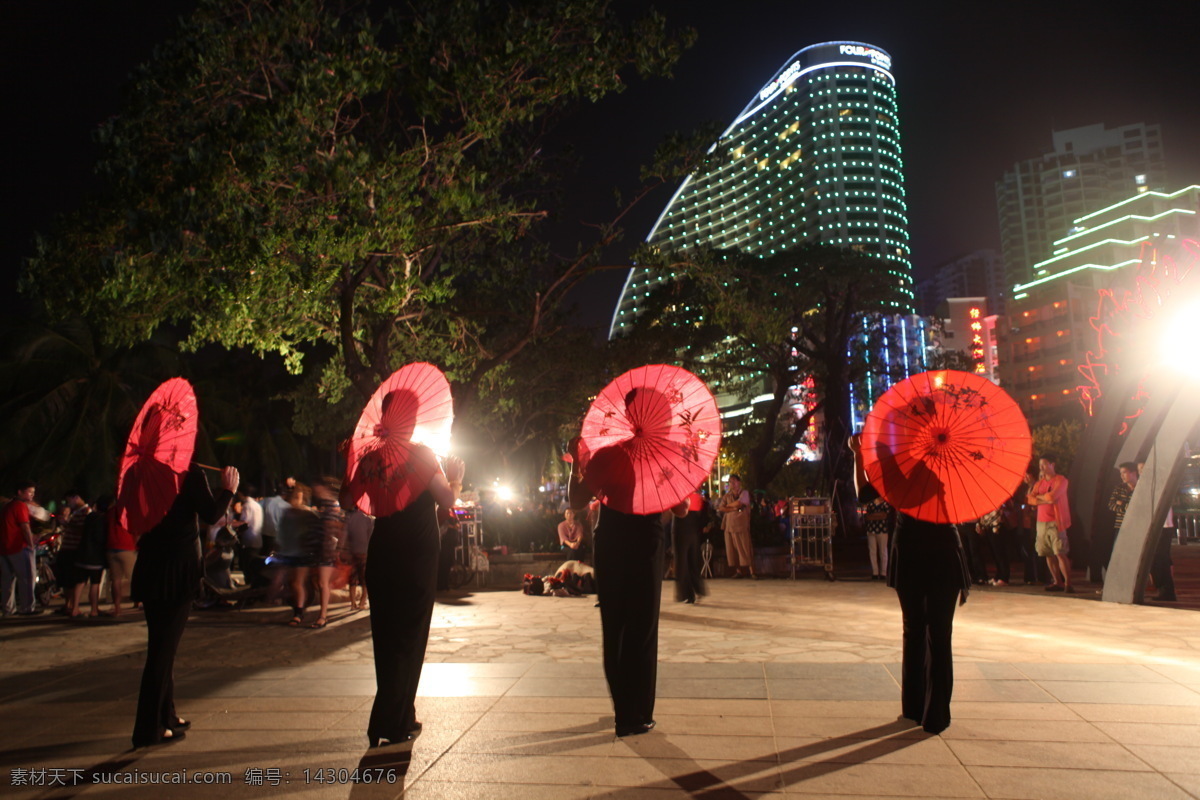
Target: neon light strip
{"points": [[1090, 247], [1171, 196], [612, 326], [1022, 286], [1122, 219]]}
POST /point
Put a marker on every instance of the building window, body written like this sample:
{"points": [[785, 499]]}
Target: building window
{"points": [[1140, 180], [1068, 173]]}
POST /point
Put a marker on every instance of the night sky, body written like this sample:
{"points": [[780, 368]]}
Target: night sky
{"points": [[980, 87]]}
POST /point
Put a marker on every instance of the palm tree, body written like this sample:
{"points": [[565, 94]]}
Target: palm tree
{"points": [[68, 401]]}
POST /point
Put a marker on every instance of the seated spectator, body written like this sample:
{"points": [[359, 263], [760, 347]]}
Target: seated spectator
{"points": [[571, 539]]}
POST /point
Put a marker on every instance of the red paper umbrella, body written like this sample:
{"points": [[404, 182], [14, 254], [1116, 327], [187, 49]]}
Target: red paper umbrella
{"points": [[157, 456], [946, 446], [649, 439], [392, 455]]}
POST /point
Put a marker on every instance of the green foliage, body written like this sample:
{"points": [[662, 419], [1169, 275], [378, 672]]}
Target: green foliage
{"points": [[952, 359], [69, 401], [1062, 440], [291, 175], [754, 325]]}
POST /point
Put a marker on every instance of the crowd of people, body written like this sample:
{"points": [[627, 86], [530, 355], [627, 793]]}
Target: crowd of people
{"points": [[293, 545], [1034, 526]]}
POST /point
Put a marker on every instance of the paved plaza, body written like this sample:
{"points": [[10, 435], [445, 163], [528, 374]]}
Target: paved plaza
{"points": [[773, 688]]}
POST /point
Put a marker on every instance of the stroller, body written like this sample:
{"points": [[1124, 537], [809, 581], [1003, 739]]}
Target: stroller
{"points": [[218, 588]]}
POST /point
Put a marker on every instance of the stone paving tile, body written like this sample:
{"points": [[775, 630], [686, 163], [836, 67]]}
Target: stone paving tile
{"points": [[851, 672], [845, 727], [1189, 782], [1120, 712], [1174, 759], [900, 780], [733, 725], [971, 709], [540, 687], [719, 688], [1123, 673], [1001, 691], [1074, 784], [684, 706], [1027, 730], [594, 743], [697, 776], [1060, 755], [303, 687], [1151, 733], [1167, 694], [460, 790], [833, 689], [883, 709], [671, 745], [896, 750]]}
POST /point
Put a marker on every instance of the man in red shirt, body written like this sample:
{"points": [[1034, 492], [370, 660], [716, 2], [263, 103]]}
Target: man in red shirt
{"points": [[17, 552], [1049, 494]]}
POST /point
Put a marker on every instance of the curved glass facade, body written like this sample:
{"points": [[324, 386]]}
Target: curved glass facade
{"points": [[814, 157]]}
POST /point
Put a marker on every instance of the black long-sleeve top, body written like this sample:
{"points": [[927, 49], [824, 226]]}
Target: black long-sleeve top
{"points": [[168, 566]]}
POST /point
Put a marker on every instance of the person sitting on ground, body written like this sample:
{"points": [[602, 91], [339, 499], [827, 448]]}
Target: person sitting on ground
{"points": [[571, 539]]}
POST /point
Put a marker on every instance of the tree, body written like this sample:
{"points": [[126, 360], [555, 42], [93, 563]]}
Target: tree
{"points": [[291, 174], [69, 401], [763, 325]]}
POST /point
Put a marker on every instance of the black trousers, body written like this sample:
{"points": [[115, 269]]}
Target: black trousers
{"points": [[1034, 565], [998, 540], [401, 580], [629, 574], [927, 675], [156, 700], [1160, 567], [688, 582]]}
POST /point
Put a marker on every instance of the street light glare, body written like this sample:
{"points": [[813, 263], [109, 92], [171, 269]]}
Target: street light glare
{"points": [[1177, 342]]}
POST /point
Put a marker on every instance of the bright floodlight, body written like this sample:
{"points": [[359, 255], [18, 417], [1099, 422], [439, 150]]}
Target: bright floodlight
{"points": [[504, 494], [1177, 342]]}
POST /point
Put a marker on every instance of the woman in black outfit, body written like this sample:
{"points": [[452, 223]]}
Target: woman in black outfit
{"points": [[928, 569], [402, 562], [689, 583], [166, 579], [628, 554]]}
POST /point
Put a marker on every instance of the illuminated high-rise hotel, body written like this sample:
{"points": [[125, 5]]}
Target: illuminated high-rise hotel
{"points": [[813, 158]]}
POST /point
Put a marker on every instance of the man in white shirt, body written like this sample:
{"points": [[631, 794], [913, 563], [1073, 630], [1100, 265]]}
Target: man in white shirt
{"points": [[250, 537]]}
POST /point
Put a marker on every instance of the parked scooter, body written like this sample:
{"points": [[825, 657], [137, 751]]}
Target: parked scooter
{"points": [[45, 581]]}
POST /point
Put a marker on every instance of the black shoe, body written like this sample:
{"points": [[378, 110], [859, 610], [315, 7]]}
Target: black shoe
{"points": [[1054, 587], [168, 737], [377, 741], [180, 725], [1069, 589], [635, 730]]}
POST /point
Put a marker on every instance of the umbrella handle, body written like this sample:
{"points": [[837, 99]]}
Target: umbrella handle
{"points": [[206, 466]]}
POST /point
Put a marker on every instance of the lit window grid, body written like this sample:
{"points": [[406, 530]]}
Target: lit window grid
{"points": [[702, 214]]}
